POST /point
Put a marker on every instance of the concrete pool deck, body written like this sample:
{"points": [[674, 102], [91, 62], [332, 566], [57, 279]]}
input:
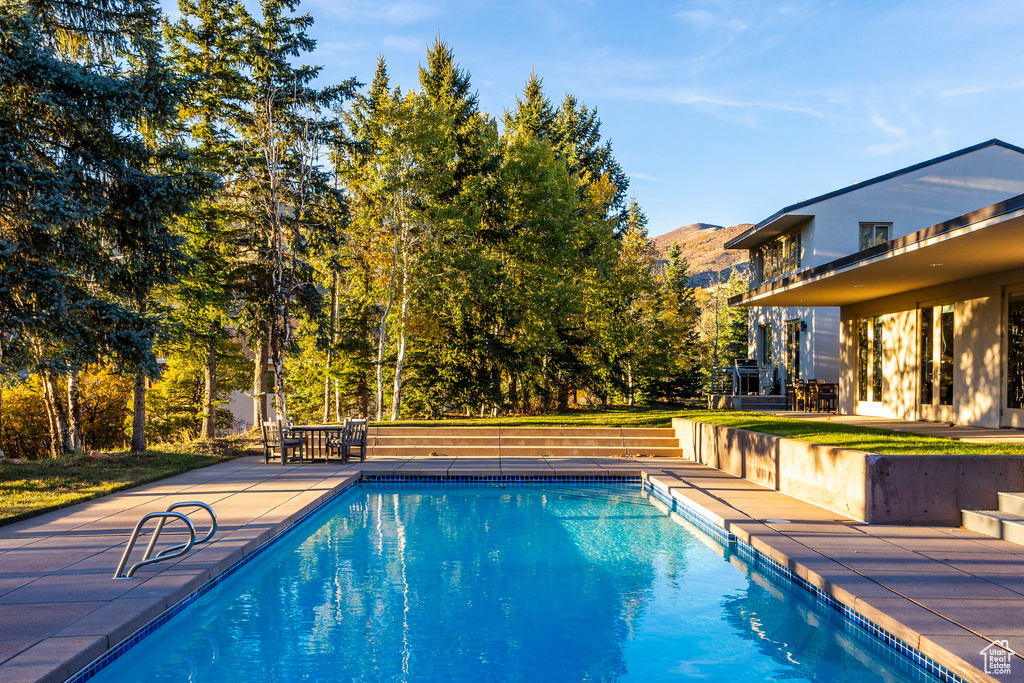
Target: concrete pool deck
{"points": [[947, 592]]}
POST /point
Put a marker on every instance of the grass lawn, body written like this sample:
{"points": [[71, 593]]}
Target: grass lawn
{"points": [[37, 486], [849, 436], [615, 416], [834, 434]]}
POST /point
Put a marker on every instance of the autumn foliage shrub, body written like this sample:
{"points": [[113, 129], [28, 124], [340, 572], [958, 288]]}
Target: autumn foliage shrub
{"points": [[105, 398]]}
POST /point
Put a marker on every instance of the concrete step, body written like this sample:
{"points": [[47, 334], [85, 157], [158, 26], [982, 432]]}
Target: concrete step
{"points": [[511, 442], [574, 432], [432, 431], [447, 451], [580, 441], [670, 442], [514, 442], [565, 451], [426, 440], [1012, 502], [1005, 525]]}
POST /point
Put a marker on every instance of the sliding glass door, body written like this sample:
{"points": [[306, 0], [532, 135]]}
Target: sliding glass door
{"points": [[936, 360], [1013, 360]]}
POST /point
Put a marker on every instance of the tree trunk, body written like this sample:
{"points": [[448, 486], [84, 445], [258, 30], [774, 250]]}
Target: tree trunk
{"points": [[363, 388], [259, 382], [381, 340], [74, 412], [513, 395], [330, 349], [1, 416], [209, 426], [562, 401], [383, 330], [56, 412], [139, 415], [396, 398], [629, 382]]}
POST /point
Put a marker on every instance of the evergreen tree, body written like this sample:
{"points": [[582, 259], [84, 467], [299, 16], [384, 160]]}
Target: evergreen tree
{"points": [[207, 46], [285, 131], [578, 141], [533, 116], [89, 190]]}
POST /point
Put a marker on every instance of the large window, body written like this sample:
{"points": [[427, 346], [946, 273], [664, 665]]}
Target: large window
{"points": [[778, 258], [872, 234], [863, 356], [765, 343], [869, 359], [1015, 353], [793, 350], [936, 343], [946, 356], [926, 350]]}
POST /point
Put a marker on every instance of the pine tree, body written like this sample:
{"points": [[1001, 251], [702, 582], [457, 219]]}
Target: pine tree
{"points": [[90, 188], [207, 47], [533, 115], [578, 141], [287, 125]]}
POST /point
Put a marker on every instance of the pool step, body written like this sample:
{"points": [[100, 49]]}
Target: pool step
{"points": [[1006, 523], [522, 441]]}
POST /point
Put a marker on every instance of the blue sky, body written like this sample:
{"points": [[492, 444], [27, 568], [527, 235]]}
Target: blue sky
{"points": [[721, 111]]}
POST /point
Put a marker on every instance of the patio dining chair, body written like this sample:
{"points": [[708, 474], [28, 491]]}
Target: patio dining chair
{"points": [[354, 440], [828, 397], [277, 436], [334, 443]]}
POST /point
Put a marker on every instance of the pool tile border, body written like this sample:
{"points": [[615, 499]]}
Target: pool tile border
{"points": [[617, 479], [706, 522]]}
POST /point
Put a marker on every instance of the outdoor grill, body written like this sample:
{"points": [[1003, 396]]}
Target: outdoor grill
{"points": [[748, 376]]}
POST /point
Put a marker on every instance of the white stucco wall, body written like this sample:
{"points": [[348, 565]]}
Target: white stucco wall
{"points": [[819, 343], [911, 202], [978, 310]]}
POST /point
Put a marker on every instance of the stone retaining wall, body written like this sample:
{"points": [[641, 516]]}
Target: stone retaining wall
{"points": [[878, 489]]}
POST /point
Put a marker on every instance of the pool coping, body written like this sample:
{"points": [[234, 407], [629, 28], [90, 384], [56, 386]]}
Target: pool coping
{"points": [[715, 499]]}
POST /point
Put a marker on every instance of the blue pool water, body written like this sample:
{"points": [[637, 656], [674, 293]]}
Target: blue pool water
{"points": [[494, 583]]}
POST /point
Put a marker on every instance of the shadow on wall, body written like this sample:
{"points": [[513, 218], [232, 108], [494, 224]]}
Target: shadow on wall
{"points": [[976, 344], [900, 367]]}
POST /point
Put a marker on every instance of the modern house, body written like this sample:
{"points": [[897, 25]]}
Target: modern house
{"points": [[801, 336], [912, 285]]}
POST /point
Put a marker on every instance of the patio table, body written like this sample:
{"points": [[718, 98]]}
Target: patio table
{"points": [[316, 437]]}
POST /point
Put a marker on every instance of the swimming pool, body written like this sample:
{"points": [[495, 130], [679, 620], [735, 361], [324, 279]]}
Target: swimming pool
{"points": [[485, 582]]}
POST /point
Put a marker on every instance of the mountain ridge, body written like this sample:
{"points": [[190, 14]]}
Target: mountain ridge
{"points": [[703, 245]]}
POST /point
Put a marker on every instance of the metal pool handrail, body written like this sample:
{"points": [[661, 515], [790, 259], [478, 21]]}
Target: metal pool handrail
{"points": [[172, 551]]}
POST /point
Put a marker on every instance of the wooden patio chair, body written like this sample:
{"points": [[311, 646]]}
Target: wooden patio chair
{"points": [[276, 435], [334, 443], [354, 440], [828, 397]]}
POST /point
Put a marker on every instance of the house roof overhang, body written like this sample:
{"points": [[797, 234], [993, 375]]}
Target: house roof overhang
{"points": [[986, 241], [771, 226], [776, 225]]}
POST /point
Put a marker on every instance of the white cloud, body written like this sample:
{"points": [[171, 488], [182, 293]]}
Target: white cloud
{"points": [[977, 90], [646, 178], [404, 43], [401, 12]]}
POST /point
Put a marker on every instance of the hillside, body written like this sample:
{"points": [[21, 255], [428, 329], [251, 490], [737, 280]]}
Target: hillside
{"points": [[703, 247]]}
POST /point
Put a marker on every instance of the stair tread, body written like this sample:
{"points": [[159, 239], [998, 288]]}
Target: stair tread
{"points": [[998, 514]]}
